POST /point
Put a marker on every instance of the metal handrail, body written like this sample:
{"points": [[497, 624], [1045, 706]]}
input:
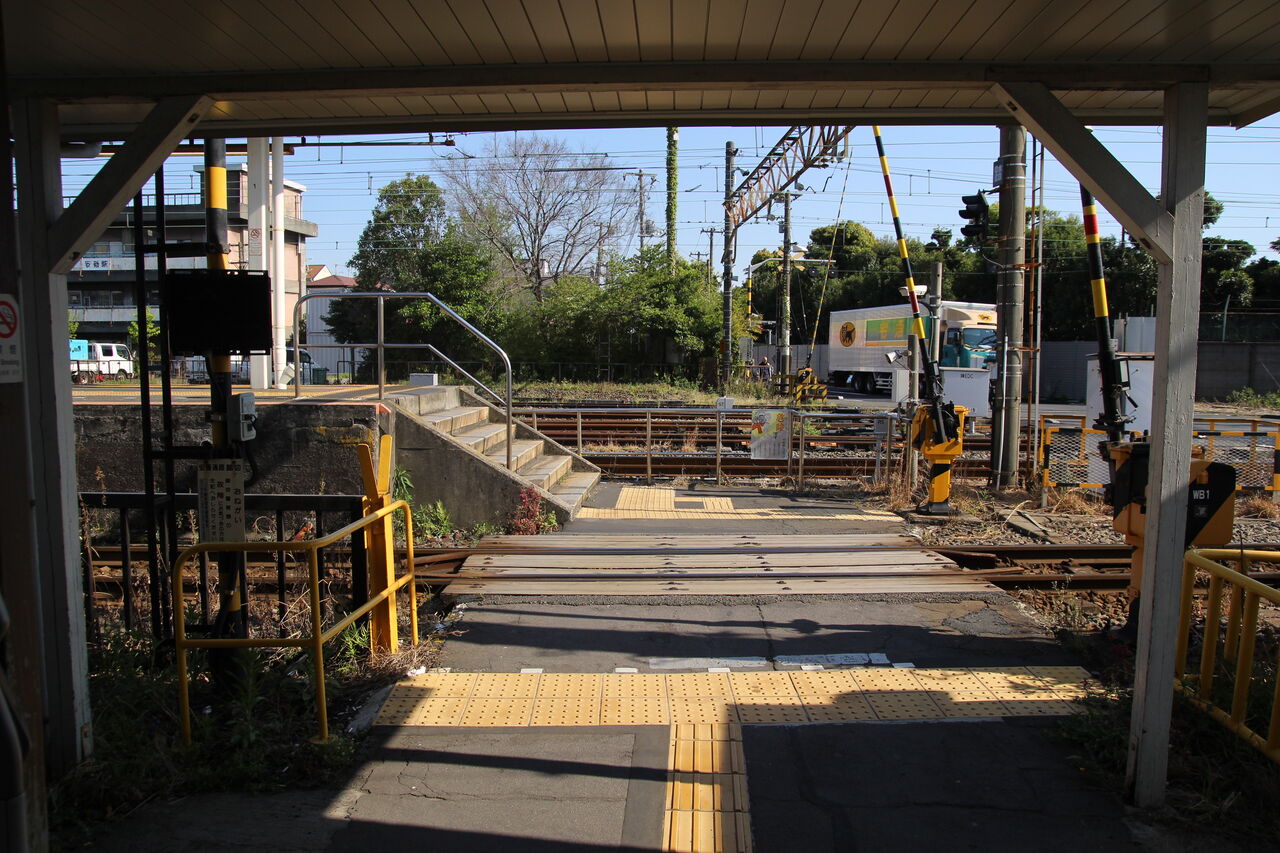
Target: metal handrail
{"points": [[499, 351], [494, 394], [380, 344], [319, 636], [1244, 596]]}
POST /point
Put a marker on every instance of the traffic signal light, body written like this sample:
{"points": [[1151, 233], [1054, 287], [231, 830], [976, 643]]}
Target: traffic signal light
{"points": [[977, 212]]}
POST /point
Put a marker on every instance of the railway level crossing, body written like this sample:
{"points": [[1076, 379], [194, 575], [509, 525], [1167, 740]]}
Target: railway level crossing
{"points": [[406, 68], [696, 643]]}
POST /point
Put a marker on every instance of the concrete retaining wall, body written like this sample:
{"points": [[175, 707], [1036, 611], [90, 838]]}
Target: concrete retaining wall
{"points": [[301, 448]]}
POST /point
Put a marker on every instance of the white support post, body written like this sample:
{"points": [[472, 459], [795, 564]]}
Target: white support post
{"points": [[1172, 407], [279, 316], [1171, 231], [47, 380], [257, 242]]}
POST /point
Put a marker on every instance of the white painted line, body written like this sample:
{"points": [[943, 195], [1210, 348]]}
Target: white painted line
{"points": [[904, 666], [441, 669], [627, 669], [846, 659], [532, 670], [706, 663], [878, 659], [810, 667], [718, 669]]}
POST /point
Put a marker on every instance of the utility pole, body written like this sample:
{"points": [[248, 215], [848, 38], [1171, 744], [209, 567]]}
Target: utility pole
{"points": [[784, 357], [935, 303], [711, 246], [600, 265], [726, 345], [644, 220], [1010, 294], [673, 142]]}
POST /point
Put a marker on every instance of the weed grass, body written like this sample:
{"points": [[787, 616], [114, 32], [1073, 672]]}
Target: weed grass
{"points": [[1220, 789], [1257, 506], [676, 391], [1248, 398], [253, 735]]}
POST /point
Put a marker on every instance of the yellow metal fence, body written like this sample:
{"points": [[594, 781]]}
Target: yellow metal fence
{"points": [[381, 558], [1233, 602]]}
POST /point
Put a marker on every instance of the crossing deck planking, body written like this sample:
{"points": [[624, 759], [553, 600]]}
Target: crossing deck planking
{"points": [[838, 560], [709, 564], [842, 585]]}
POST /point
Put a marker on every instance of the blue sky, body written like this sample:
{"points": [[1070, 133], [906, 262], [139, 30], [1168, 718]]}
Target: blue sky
{"points": [[932, 167]]}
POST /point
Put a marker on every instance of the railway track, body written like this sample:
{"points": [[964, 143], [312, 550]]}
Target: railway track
{"points": [[1076, 567], [705, 443]]}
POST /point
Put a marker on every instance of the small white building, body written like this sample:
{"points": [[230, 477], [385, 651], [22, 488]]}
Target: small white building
{"points": [[339, 361]]}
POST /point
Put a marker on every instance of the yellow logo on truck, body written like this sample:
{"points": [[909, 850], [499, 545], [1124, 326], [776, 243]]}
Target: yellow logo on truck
{"points": [[848, 333], [986, 318]]}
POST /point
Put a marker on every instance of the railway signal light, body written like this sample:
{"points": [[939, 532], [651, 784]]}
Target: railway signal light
{"points": [[978, 213]]}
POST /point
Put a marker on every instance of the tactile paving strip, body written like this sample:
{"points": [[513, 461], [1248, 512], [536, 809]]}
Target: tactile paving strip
{"points": [[622, 699], [706, 803]]}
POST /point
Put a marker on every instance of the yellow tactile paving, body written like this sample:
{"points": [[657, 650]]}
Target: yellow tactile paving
{"points": [[621, 699], [738, 514], [650, 502], [706, 803], [748, 685]]}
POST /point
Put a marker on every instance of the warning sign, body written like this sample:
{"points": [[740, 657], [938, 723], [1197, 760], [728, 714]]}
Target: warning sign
{"points": [[10, 340], [220, 499], [770, 434]]}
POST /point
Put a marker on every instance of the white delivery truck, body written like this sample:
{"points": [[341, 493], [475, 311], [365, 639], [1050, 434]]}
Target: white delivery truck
{"points": [[93, 361], [860, 338]]}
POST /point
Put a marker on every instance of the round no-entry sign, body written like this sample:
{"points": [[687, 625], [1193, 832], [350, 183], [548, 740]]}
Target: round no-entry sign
{"points": [[8, 317]]}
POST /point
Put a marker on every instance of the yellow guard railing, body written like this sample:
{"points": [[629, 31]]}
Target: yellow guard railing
{"points": [[1242, 596], [383, 586]]}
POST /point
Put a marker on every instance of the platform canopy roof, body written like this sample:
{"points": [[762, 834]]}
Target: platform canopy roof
{"points": [[329, 66]]}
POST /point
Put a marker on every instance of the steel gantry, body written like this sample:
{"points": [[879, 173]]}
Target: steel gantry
{"points": [[799, 149]]}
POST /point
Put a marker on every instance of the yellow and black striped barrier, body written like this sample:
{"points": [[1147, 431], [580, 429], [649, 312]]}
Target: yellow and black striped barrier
{"points": [[808, 387]]}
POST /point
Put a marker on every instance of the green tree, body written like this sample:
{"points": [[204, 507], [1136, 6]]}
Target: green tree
{"points": [[651, 317], [410, 245], [73, 326], [1223, 273], [153, 340]]}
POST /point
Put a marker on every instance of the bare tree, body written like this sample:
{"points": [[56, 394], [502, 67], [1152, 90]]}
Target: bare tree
{"points": [[544, 209]]}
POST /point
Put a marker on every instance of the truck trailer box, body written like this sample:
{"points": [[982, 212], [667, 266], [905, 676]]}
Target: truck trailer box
{"points": [[860, 338]]}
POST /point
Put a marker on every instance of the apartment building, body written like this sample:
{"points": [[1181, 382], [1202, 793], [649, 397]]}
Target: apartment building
{"points": [[100, 287]]}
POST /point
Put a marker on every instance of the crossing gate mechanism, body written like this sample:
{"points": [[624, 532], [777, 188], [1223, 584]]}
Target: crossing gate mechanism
{"points": [[1211, 502]]}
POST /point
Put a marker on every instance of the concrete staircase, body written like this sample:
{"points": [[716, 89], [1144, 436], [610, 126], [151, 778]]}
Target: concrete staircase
{"points": [[453, 444]]}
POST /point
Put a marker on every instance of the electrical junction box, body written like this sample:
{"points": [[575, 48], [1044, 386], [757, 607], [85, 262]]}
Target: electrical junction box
{"points": [[242, 420]]}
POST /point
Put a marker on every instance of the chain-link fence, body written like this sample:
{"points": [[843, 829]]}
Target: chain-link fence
{"points": [[1070, 458], [1255, 455]]}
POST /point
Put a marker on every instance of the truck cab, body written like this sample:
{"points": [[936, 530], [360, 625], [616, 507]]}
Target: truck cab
{"points": [[968, 338]]}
